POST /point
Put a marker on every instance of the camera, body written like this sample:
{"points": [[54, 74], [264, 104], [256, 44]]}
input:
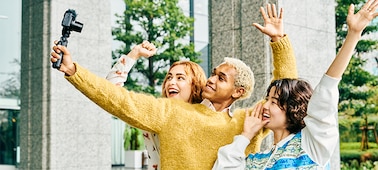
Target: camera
{"points": [[69, 24]]}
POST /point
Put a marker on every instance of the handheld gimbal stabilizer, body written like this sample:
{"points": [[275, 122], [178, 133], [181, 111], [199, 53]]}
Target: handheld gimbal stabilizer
{"points": [[69, 24]]}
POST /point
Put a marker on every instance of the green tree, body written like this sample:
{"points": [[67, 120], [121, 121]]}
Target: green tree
{"points": [[10, 88], [163, 23], [357, 87]]}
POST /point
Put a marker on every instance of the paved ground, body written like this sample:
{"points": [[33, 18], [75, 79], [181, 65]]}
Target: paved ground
{"points": [[121, 167]]}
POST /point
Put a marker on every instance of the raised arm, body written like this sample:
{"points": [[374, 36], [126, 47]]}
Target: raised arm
{"points": [[119, 72], [145, 49], [356, 24], [322, 107], [284, 64]]}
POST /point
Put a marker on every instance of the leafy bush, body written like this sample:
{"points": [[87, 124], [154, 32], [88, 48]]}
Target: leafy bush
{"points": [[351, 151], [355, 165], [133, 138]]}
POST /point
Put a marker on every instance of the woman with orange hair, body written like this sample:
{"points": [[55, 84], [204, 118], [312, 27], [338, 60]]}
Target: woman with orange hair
{"points": [[179, 83]]}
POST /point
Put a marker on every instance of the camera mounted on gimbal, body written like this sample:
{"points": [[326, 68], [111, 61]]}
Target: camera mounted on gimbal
{"points": [[69, 24]]}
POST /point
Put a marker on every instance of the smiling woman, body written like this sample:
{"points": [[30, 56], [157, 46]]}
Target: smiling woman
{"points": [[184, 81]]}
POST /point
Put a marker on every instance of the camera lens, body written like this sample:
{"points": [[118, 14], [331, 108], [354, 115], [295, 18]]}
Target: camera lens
{"points": [[76, 26]]}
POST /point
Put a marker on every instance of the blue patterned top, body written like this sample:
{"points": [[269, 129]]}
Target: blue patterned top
{"points": [[290, 156]]}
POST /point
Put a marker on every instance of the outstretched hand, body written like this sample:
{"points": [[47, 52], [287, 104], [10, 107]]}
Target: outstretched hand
{"points": [[253, 121], [273, 23], [357, 22]]}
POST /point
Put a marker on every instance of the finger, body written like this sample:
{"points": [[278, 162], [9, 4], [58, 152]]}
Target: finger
{"points": [[263, 13], [145, 43], [55, 56], [374, 3], [370, 2], [374, 6], [154, 50], [259, 111], [281, 13], [367, 5], [56, 42], [52, 59], [269, 9], [274, 12], [247, 114], [63, 49], [56, 49], [255, 112], [252, 114], [150, 47]]}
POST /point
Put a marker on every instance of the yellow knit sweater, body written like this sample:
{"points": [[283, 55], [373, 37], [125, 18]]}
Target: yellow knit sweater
{"points": [[190, 134]]}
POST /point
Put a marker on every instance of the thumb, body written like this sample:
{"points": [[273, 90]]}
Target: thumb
{"points": [[258, 26], [63, 49], [351, 9]]}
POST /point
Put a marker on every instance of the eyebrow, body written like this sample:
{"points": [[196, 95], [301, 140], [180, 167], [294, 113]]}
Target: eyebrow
{"points": [[221, 73], [177, 74], [180, 74]]}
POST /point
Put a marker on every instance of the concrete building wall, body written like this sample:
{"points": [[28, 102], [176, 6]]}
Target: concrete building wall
{"points": [[309, 24], [59, 127]]}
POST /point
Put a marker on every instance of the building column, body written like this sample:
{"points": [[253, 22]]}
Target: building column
{"points": [[59, 127]]}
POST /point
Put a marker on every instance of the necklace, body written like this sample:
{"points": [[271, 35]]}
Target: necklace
{"points": [[273, 148]]}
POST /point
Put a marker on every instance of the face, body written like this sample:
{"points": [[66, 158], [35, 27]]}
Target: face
{"points": [[221, 85], [178, 84], [274, 112]]}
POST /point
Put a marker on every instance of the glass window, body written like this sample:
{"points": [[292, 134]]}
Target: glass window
{"points": [[9, 111], [10, 47], [201, 32]]}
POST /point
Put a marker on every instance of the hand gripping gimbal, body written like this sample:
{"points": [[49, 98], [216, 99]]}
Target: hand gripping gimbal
{"points": [[69, 24]]}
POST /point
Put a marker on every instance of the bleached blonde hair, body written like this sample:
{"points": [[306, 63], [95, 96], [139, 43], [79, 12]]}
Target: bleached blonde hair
{"points": [[245, 77]]}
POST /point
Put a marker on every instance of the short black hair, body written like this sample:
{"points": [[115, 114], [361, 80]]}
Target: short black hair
{"points": [[293, 97]]}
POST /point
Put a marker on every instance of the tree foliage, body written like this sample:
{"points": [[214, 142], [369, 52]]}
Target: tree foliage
{"points": [[163, 23], [357, 87], [10, 88]]}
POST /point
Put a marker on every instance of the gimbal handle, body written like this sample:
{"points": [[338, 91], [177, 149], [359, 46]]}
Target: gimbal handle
{"points": [[63, 41]]}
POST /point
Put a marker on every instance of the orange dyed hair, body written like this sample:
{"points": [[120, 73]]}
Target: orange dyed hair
{"points": [[198, 80]]}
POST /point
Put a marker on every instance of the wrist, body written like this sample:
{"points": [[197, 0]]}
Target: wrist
{"points": [[354, 34], [277, 37], [247, 135], [133, 54], [70, 70]]}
